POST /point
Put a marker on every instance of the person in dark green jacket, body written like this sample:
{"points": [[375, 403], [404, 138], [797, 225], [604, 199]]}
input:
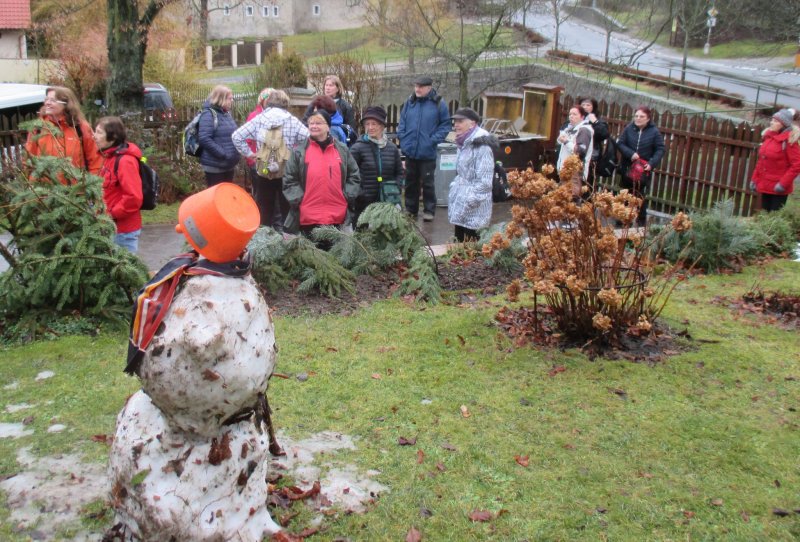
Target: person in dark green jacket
{"points": [[321, 181]]}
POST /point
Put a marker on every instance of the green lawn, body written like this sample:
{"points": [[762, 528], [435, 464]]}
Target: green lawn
{"points": [[702, 446]]}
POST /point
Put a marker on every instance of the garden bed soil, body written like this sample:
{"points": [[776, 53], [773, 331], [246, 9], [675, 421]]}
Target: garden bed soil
{"points": [[455, 275], [780, 309]]}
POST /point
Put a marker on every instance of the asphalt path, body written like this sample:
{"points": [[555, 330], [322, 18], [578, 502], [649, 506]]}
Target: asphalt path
{"points": [[755, 79]]}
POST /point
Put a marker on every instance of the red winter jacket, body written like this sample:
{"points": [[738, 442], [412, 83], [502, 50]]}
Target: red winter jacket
{"points": [[778, 162], [122, 191]]}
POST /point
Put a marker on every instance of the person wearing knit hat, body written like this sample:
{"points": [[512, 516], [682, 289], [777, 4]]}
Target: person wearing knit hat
{"points": [[378, 162], [321, 181], [778, 161]]}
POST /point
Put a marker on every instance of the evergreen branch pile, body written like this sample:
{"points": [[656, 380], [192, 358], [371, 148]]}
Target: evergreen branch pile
{"points": [[506, 259], [65, 259], [384, 238]]}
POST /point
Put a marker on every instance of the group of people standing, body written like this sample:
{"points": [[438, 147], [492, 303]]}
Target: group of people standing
{"points": [[331, 174], [641, 148]]}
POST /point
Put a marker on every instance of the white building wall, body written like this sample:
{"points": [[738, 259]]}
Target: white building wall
{"points": [[293, 17], [13, 44]]}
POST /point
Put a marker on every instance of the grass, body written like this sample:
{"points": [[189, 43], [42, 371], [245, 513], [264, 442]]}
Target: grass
{"points": [[746, 49], [718, 422], [162, 214]]}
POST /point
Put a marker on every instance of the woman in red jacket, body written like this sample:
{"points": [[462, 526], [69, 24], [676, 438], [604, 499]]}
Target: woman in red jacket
{"points": [[778, 161], [122, 185]]}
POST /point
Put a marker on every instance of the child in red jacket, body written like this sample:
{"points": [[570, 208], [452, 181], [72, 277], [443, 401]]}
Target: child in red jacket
{"points": [[122, 185]]}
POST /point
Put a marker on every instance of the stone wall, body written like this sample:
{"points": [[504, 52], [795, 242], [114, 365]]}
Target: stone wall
{"points": [[397, 88]]}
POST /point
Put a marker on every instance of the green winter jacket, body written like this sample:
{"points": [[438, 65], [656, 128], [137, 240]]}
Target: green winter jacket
{"points": [[294, 182]]}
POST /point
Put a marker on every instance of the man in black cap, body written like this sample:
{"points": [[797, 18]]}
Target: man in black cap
{"points": [[424, 123]]}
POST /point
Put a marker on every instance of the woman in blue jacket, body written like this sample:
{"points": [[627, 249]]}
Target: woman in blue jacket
{"points": [[218, 157], [642, 148]]}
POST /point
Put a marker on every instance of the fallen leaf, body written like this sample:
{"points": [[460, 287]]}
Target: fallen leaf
{"points": [[619, 392], [413, 535], [376, 376], [556, 369], [383, 349], [780, 512], [424, 512], [314, 490], [403, 441], [308, 531], [27, 420], [446, 341], [105, 439], [331, 349], [465, 411], [440, 467], [716, 502], [777, 483], [480, 515], [745, 516], [281, 375], [462, 340], [220, 450], [283, 536], [569, 446], [522, 459], [420, 457], [448, 446], [688, 513], [645, 475], [601, 510], [210, 375]]}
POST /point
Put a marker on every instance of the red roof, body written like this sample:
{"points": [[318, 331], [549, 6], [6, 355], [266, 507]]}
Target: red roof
{"points": [[15, 14]]}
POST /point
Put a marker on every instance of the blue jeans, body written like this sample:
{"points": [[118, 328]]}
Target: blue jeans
{"points": [[128, 240]]}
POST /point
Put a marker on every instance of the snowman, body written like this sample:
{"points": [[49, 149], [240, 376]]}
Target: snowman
{"points": [[190, 453]]}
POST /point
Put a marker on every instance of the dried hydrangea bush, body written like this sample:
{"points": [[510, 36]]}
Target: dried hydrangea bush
{"points": [[592, 268]]}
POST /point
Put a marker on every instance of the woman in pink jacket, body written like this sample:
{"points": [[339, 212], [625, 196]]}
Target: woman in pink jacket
{"points": [[778, 161], [122, 185]]}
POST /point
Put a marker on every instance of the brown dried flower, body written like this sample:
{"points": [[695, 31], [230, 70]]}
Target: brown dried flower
{"points": [[513, 290], [610, 296], [601, 321], [681, 222]]}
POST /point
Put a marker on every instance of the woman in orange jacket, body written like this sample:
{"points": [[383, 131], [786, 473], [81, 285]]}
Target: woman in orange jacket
{"points": [[62, 111]]}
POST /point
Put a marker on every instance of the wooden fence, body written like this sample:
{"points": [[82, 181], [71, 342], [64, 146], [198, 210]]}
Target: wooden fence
{"points": [[706, 160]]}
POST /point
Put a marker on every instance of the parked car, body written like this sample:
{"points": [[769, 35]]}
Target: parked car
{"points": [[158, 103]]}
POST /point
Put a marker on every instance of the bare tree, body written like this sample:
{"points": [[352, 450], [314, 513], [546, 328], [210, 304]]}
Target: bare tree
{"points": [[458, 31], [621, 15], [691, 16]]}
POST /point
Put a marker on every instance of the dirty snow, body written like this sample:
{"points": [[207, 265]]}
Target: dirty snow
{"points": [[13, 430], [49, 492], [44, 375], [56, 428], [344, 485], [12, 386], [11, 409]]}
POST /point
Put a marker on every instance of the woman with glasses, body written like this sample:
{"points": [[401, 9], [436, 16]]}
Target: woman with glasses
{"points": [[321, 182], [219, 156], [642, 148], [65, 132]]}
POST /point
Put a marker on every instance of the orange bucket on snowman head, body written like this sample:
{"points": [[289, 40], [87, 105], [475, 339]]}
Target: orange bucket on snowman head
{"points": [[219, 221]]}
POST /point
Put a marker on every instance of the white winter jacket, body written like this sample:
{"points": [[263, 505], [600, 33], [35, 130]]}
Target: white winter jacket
{"points": [[469, 203]]}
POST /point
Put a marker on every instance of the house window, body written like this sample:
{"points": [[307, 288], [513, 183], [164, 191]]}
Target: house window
{"points": [[248, 11], [274, 11], [316, 9], [226, 10], [265, 11]]}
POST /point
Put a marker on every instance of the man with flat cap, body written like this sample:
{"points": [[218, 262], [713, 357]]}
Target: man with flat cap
{"points": [[424, 123]]}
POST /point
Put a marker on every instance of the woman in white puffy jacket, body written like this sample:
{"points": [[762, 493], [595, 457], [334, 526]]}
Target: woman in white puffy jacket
{"points": [[469, 203]]}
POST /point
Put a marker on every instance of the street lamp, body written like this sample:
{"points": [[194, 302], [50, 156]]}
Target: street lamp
{"points": [[711, 22]]}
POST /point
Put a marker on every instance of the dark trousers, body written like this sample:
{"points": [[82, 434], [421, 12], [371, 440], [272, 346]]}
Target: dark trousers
{"points": [[361, 204], [773, 202], [640, 191], [419, 174], [216, 178], [272, 205], [465, 234], [306, 231]]}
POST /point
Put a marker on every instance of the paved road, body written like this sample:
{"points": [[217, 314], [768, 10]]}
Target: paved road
{"points": [[741, 76]]}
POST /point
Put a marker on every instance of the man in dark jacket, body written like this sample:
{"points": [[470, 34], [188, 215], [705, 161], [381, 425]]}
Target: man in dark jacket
{"points": [[424, 123]]}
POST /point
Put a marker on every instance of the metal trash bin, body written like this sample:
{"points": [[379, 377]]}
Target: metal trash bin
{"points": [[445, 171]]}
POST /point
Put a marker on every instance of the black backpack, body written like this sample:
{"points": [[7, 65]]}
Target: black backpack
{"points": [[501, 191], [191, 136], [150, 182], [609, 162]]}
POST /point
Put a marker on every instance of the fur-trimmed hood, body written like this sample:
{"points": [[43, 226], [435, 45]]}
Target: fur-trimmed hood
{"points": [[486, 139]]}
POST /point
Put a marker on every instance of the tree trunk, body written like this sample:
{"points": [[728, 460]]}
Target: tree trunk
{"points": [[463, 86], [411, 59], [685, 55], [127, 42], [204, 20], [608, 44]]}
